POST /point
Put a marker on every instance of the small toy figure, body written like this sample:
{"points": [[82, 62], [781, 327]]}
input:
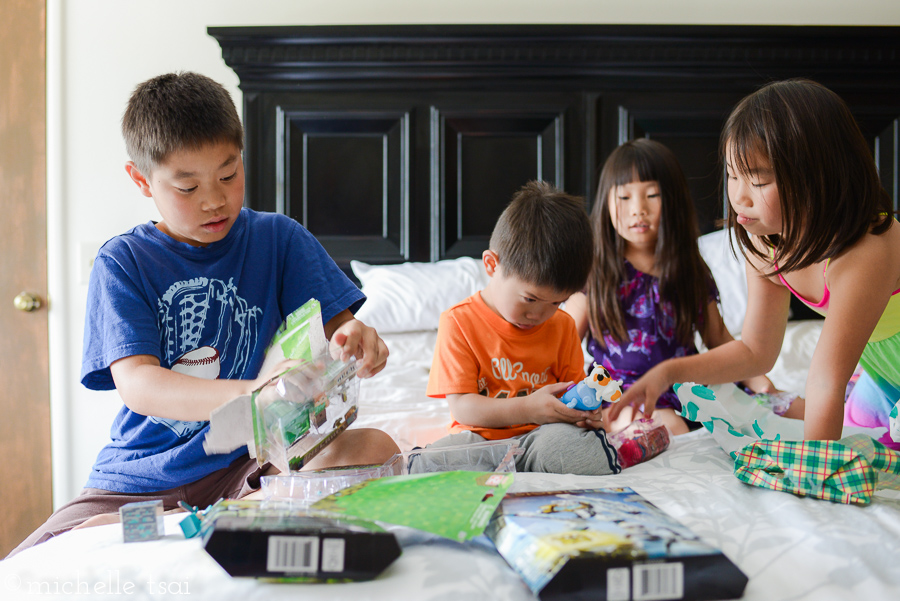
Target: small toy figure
{"points": [[596, 387]]}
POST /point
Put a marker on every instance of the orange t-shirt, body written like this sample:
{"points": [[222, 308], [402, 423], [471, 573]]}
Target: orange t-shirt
{"points": [[477, 351]]}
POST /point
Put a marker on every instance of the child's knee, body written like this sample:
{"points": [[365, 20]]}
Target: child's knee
{"points": [[568, 449], [382, 443], [674, 422], [360, 446], [374, 444]]}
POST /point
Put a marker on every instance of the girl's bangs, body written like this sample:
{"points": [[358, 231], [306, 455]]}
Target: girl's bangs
{"points": [[745, 135], [633, 161]]}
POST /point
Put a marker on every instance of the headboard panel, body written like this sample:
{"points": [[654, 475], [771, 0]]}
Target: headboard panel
{"points": [[404, 143]]}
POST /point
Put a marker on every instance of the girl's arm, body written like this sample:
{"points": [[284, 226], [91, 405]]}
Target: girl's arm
{"points": [[755, 353], [860, 290], [577, 307], [715, 334]]}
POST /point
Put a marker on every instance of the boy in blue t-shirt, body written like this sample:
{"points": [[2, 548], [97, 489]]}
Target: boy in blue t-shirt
{"points": [[180, 311]]}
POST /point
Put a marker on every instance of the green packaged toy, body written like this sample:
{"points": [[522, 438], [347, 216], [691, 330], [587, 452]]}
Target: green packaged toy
{"points": [[292, 417]]}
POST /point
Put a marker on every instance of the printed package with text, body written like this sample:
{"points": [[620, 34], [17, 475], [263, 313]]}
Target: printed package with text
{"points": [[608, 544]]}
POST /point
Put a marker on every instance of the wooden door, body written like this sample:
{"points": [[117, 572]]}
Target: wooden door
{"points": [[25, 480]]}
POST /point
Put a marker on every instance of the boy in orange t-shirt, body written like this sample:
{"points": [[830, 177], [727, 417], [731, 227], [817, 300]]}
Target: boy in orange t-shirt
{"points": [[505, 354]]}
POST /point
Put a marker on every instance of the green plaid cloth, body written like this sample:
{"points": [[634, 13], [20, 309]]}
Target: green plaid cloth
{"points": [[844, 471]]}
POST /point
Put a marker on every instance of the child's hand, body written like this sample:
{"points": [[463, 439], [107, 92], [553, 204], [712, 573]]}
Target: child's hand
{"points": [[353, 338], [544, 407], [646, 391], [276, 370], [595, 422]]}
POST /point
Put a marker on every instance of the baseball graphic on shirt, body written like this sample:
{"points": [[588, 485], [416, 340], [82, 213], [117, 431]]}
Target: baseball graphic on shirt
{"points": [[207, 312], [201, 362]]}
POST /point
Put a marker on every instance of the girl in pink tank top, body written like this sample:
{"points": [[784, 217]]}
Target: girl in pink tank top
{"points": [[811, 217]]}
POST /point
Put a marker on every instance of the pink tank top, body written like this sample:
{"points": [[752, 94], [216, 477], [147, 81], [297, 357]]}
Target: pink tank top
{"points": [[822, 305]]}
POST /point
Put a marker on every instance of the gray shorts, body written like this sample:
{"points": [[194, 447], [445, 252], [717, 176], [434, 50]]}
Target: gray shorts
{"points": [[555, 449], [233, 482]]}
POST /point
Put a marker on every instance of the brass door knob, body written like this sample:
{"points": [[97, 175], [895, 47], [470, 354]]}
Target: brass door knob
{"points": [[26, 301]]}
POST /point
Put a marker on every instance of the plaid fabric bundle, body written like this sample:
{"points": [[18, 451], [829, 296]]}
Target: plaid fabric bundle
{"points": [[844, 471]]}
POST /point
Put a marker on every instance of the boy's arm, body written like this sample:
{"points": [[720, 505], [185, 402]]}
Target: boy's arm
{"points": [[349, 337], [540, 407], [149, 389]]}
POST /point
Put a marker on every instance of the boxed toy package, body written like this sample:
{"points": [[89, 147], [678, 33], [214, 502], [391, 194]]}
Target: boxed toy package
{"points": [[296, 415], [265, 540], [610, 544], [289, 419]]}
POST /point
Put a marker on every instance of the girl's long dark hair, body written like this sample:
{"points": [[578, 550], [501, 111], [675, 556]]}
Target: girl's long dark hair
{"points": [[828, 185], [684, 278]]}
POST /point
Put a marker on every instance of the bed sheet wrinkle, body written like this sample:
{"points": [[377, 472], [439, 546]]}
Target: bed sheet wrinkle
{"points": [[394, 400]]}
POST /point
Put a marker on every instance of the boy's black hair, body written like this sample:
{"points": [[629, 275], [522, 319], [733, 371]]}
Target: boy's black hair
{"points": [[544, 237], [178, 111]]}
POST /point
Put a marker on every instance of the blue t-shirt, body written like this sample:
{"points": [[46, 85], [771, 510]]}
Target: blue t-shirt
{"points": [[206, 311]]}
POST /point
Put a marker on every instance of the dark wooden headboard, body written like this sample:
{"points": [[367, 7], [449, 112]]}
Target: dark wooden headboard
{"points": [[404, 143]]}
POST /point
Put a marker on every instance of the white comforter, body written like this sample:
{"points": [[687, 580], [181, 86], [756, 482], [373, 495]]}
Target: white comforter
{"points": [[791, 548]]}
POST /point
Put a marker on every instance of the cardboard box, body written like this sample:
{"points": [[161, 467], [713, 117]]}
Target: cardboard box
{"points": [[142, 521], [259, 540], [608, 544]]}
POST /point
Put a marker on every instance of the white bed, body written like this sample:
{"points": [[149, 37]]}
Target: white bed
{"points": [[791, 548]]}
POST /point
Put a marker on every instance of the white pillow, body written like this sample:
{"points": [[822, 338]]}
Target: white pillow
{"points": [[411, 296], [728, 271]]}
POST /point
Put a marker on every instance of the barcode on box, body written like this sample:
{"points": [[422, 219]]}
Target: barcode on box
{"points": [[293, 554], [618, 585], [333, 554], [657, 581]]}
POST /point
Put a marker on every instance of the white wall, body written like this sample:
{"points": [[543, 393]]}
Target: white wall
{"points": [[98, 50]]}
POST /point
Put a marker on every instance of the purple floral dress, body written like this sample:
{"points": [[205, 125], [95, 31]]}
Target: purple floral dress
{"points": [[650, 325]]}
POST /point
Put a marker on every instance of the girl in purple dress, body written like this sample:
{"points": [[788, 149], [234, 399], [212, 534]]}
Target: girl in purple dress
{"points": [[650, 290]]}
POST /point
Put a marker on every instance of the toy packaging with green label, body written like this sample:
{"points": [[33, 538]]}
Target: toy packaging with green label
{"points": [[456, 504], [288, 420], [609, 544]]}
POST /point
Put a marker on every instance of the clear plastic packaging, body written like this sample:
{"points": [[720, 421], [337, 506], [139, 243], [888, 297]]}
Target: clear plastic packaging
{"points": [[639, 441], [297, 414], [487, 456], [778, 402], [301, 489]]}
